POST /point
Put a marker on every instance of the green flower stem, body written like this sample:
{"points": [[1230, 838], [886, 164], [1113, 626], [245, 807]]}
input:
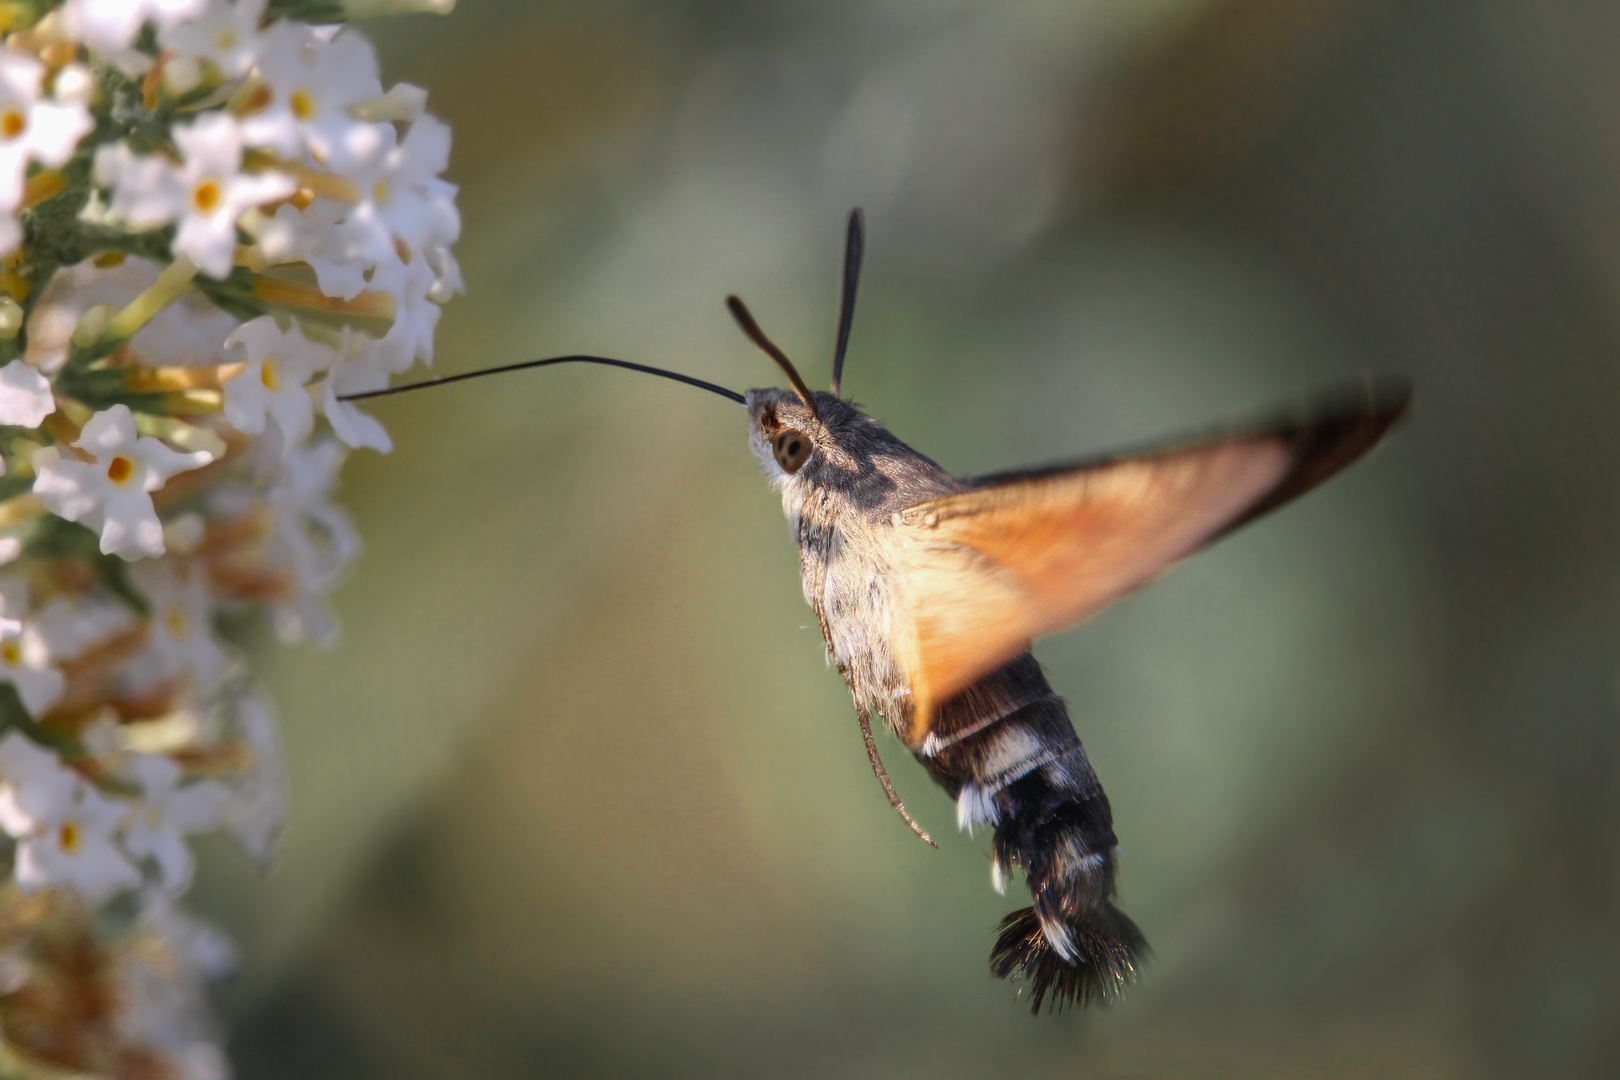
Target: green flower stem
{"points": [[173, 283]]}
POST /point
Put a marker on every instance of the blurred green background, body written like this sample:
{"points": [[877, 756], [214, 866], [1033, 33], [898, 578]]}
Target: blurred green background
{"points": [[578, 796]]}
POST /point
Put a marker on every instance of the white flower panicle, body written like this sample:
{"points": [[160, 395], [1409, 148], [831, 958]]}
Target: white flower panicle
{"points": [[215, 223]]}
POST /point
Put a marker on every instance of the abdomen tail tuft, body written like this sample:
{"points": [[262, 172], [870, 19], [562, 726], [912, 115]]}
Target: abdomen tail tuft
{"points": [[1108, 950]]}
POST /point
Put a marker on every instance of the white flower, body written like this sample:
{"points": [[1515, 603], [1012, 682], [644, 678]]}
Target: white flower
{"points": [[206, 194], [279, 367], [26, 664], [111, 25], [167, 813], [314, 236], [25, 655], [25, 395], [64, 827], [258, 804], [29, 774], [71, 626], [162, 964], [198, 945], [313, 83], [30, 130], [302, 496], [448, 283], [410, 338], [112, 493], [183, 640], [360, 368], [400, 193], [225, 34], [312, 537]]}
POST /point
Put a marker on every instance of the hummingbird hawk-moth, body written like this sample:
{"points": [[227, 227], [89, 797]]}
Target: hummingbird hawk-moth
{"points": [[929, 590]]}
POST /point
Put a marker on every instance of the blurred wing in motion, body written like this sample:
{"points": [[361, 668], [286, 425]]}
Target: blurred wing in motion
{"points": [[1024, 554]]}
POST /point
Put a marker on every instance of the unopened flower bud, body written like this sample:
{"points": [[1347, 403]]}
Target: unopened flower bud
{"points": [[402, 104], [368, 9], [75, 83], [182, 75], [11, 318], [184, 533]]}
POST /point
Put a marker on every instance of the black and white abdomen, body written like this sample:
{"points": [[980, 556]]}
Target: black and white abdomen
{"points": [[1006, 752]]}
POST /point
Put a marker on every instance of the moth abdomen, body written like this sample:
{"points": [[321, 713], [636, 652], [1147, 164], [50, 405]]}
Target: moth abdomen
{"points": [[1072, 944], [1006, 750]]}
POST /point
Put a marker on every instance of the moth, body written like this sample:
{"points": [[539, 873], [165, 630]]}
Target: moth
{"points": [[930, 588]]}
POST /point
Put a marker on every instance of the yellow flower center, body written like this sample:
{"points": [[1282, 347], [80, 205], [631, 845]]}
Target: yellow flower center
{"points": [[225, 40], [270, 373], [120, 469], [302, 103], [207, 195], [379, 192], [13, 122], [68, 836], [11, 652], [175, 620]]}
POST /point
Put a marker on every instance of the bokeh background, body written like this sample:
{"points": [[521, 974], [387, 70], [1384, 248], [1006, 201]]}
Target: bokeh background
{"points": [[578, 796]]}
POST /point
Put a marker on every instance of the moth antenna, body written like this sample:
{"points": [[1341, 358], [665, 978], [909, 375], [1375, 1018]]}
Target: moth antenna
{"points": [[739, 311], [883, 777], [645, 369], [854, 248]]}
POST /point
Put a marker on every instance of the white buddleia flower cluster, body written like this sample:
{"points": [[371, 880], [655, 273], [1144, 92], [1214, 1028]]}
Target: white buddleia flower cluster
{"points": [[215, 224]]}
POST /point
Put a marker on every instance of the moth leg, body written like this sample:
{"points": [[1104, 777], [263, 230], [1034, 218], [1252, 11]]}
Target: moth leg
{"points": [[883, 776]]}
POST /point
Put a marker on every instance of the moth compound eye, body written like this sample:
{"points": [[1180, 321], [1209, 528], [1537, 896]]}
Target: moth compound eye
{"points": [[793, 450]]}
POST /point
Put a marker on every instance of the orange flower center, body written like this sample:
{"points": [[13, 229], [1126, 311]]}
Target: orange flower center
{"points": [[13, 122], [270, 373], [207, 195], [68, 836], [302, 103], [175, 620], [120, 469], [11, 652]]}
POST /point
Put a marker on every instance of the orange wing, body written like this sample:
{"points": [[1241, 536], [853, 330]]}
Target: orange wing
{"points": [[992, 568]]}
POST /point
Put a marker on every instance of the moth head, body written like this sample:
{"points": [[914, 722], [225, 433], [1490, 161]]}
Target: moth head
{"points": [[783, 433], [793, 444]]}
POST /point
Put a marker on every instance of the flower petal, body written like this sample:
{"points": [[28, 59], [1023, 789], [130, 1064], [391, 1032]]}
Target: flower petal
{"points": [[25, 395]]}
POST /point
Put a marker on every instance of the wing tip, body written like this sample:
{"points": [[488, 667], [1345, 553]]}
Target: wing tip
{"points": [[1377, 402], [1332, 433]]}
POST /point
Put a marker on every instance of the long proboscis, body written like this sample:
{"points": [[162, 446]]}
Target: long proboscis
{"points": [[526, 364], [745, 319]]}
